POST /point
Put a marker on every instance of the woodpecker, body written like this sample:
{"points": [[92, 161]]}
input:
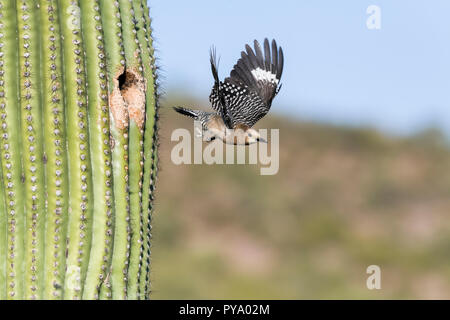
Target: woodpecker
{"points": [[244, 97]]}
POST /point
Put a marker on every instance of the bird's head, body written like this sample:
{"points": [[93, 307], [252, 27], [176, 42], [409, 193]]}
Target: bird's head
{"points": [[253, 136]]}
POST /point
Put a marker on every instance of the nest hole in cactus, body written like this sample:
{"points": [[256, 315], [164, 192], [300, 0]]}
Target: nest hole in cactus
{"points": [[127, 100]]}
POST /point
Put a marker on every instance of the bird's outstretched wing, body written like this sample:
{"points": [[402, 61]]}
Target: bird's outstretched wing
{"points": [[253, 83]]}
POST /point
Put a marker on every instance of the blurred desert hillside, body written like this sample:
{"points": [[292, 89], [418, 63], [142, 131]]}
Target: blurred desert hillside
{"points": [[343, 199]]}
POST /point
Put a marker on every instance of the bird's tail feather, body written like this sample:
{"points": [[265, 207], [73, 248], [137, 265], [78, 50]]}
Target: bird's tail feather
{"points": [[187, 112]]}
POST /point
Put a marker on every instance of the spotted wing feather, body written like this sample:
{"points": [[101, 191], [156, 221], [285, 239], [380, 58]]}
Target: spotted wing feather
{"points": [[253, 83], [217, 97]]}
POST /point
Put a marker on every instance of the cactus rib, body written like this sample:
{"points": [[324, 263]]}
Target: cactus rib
{"points": [[115, 286], [32, 142], [55, 142], [10, 148], [99, 143], [147, 55], [3, 237], [79, 169], [134, 94]]}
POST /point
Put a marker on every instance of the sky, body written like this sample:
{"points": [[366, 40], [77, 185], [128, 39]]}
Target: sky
{"points": [[337, 70]]}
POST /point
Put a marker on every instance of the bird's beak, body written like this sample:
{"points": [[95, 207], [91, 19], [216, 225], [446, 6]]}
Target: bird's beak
{"points": [[262, 140]]}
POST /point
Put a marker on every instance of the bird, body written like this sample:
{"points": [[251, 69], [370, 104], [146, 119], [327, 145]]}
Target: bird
{"points": [[243, 98]]}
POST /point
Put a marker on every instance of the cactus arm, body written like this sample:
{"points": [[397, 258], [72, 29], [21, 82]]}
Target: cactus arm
{"points": [[148, 62], [10, 149], [99, 143], [134, 95], [32, 142], [80, 201], [55, 142], [115, 284]]}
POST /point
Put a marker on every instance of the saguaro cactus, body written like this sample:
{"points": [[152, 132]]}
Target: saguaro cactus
{"points": [[78, 146]]}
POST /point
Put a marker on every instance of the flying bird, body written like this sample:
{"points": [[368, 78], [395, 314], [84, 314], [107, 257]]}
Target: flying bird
{"points": [[242, 98]]}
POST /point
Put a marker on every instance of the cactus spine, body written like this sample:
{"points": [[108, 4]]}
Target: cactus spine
{"points": [[78, 146]]}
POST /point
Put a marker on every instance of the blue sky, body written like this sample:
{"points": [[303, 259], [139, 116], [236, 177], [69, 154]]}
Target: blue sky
{"points": [[336, 69]]}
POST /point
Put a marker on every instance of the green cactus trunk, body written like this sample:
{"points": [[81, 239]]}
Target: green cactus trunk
{"points": [[78, 146]]}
